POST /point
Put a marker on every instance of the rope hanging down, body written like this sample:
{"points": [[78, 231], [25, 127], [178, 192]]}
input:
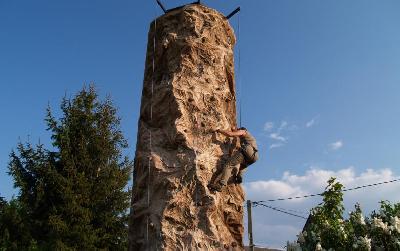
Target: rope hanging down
{"points": [[150, 136], [239, 72], [321, 194]]}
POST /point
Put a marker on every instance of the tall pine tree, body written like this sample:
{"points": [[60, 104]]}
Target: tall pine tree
{"points": [[76, 196], [14, 230]]}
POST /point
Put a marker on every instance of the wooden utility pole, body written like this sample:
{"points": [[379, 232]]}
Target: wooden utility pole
{"points": [[250, 225]]}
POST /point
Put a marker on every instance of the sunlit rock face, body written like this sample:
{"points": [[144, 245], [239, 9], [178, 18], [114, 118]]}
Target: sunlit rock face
{"points": [[189, 92]]}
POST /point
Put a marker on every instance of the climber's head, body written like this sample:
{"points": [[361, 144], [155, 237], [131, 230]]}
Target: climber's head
{"points": [[242, 128]]}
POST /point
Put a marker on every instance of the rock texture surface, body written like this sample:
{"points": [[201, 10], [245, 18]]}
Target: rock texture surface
{"points": [[189, 92]]}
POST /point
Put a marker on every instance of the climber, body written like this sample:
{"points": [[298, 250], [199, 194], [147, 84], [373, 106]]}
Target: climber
{"points": [[239, 161]]}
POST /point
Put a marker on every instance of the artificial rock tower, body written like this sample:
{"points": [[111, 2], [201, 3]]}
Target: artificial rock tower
{"points": [[188, 91]]}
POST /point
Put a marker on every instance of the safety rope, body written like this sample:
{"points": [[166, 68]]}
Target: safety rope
{"points": [[195, 144], [150, 134], [239, 72]]}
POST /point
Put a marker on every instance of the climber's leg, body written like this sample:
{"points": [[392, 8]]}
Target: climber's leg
{"points": [[239, 175], [232, 165]]}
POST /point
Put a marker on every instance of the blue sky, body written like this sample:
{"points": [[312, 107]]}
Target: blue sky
{"points": [[320, 79]]}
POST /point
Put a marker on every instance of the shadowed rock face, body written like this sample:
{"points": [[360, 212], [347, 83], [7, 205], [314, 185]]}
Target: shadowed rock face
{"points": [[190, 92]]}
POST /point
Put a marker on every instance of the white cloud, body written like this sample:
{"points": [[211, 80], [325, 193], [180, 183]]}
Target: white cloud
{"points": [[310, 123], [278, 140], [283, 125], [336, 145], [269, 223], [278, 137], [275, 188], [278, 132], [268, 126], [276, 145]]}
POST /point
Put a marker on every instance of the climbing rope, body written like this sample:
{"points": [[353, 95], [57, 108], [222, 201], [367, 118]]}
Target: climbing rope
{"points": [[239, 72], [195, 144], [150, 136]]}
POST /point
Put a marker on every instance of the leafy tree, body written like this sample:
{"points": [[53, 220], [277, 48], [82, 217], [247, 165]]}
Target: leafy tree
{"points": [[384, 227], [356, 224], [326, 228], [325, 223], [75, 196]]}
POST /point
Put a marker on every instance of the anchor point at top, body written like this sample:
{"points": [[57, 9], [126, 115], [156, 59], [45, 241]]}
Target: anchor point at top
{"points": [[197, 2]]}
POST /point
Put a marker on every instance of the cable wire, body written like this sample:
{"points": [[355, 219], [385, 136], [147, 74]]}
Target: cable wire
{"points": [[279, 210], [370, 185], [320, 194], [292, 211]]}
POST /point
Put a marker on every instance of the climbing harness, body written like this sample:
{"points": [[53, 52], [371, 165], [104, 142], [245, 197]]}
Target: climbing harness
{"points": [[249, 159], [244, 144]]}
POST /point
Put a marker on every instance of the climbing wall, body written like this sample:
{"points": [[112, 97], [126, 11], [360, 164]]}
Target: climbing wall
{"points": [[188, 91]]}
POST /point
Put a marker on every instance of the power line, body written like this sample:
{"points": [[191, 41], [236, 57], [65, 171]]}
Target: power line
{"points": [[293, 211], [292, 198], [320, 194], [279, 210], [370, 185]]}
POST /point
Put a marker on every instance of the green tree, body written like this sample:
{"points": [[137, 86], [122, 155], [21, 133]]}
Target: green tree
{"points": [[75, 195], [14, 230], [385, 226], [326, 226], [327, 230]]}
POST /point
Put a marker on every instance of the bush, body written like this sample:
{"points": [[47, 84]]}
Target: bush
{"points": [[326, 228]]}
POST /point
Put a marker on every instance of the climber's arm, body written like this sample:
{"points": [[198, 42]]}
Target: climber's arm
{"points": [[234, 133]]}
